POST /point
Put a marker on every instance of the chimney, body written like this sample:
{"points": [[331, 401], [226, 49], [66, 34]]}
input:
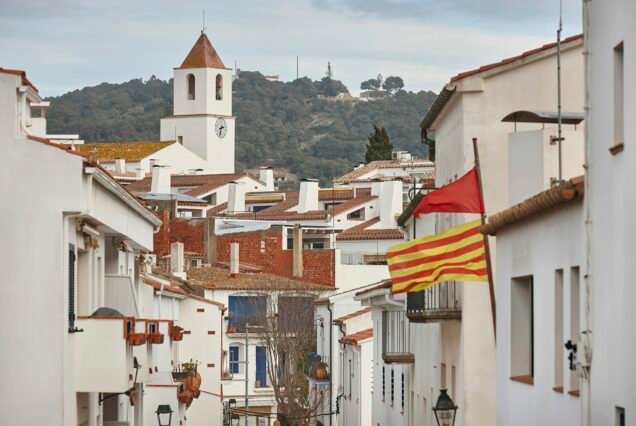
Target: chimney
{"points": [[234, 258], [177, 260], [139, 173], [160, 180], [308, 197], [266, 176], [120, 165], [390, 203], [297, 259], [236, 197], [210, 241]]}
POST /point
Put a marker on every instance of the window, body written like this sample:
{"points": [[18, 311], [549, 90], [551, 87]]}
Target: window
{"points": [[219, 87], [559, 358], [211, 198], [71, 288], [244, 309], [180, 140], [152, 328], [574, 320], [356, 215], [522, 329], [191, 87], [442, 376], [383, 382], [620, 416], [392, 387], [619, 90], [402, 392], [234, 359], [295, 313], [261, 367]]}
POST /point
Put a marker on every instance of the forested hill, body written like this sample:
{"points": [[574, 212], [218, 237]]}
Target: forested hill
{"points": [[283, 124]]}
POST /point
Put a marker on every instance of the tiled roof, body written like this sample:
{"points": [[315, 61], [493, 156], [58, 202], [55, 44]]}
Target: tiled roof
{"points": [[355, 338], [20, 73], [202, 55], [354, 175], [216, 209], [362, 232], [201, 183], [219, 278], [280, 211], [358, 201], [130, 151], [344, 318], [506, 61], [166, 287], [562, 193], [379, 286]]}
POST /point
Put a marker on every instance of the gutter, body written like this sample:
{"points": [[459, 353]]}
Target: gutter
{"points": [[437, 107], [330, 361]]}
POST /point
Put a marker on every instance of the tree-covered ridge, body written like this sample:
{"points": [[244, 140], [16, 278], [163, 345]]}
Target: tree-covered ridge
{"points": [[297, 125]]}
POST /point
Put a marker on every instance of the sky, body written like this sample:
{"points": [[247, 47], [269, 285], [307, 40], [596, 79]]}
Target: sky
{"points": [[65, 45]]}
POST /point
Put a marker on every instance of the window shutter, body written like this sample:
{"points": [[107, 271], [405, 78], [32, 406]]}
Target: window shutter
{"points": [[71, 288]]}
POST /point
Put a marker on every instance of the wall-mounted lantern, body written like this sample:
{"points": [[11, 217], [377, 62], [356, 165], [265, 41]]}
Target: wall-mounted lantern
{"points": [[445, 409], [164, 415]]}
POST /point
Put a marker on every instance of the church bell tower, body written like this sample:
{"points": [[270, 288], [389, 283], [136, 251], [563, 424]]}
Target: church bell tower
{"points": [[202, 118]]}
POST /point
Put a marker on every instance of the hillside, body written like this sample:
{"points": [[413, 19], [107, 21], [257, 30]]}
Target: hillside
{"points": [[283, 124]]}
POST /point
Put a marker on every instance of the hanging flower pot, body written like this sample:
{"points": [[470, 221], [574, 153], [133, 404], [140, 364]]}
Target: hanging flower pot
{"points": [[321, 372], [176, 334], [155, 338], [136, 339]]}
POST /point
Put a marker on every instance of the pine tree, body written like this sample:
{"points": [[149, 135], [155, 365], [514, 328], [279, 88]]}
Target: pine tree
{"points": [[379, 146]]}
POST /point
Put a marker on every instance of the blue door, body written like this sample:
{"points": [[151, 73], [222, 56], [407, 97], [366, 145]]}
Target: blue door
{"points": [[261, 366]]}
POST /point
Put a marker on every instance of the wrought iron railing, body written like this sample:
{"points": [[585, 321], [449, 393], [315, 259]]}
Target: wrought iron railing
{"points": [[440, 302], [396, 344]]}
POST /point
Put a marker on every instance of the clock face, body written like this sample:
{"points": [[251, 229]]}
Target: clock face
{"points": [[220, 128]]}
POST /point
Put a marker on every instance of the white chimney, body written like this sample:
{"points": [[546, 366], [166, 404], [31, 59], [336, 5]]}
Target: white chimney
{"points": [[139, 173], [390, 203], [120, 165], [308, 197], [236, 197], [160, 183], [234, 258], [266, 176], [177, 260]]}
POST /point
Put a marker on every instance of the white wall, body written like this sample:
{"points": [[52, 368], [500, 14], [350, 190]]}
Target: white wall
{"points": [[538, 247], [609, 196]]}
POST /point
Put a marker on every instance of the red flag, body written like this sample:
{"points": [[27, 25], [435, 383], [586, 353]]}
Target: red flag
{"points": [[461, 196]]}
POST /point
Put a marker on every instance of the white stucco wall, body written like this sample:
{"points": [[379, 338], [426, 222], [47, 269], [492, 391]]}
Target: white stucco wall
{"points": [[538, 247]]}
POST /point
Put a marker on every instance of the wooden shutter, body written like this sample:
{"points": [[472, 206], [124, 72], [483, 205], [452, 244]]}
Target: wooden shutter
{"points": [[71, 288]]}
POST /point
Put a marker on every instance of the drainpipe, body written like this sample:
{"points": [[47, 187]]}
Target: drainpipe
{"points": [[331, 361]]}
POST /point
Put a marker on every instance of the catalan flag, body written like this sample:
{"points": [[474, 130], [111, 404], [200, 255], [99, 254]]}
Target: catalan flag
{"points": [[457, 254]]}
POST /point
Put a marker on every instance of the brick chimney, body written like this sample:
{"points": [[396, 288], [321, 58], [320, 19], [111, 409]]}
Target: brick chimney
{"points": [[236, 197], [160, 183], [266, 175], [390, 203], [308, 197]]}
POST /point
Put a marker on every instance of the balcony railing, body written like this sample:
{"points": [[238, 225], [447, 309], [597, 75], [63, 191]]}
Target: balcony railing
{"points": [[120, 294], [362, 258], [396, 345], [318, 368], [439, 303]]}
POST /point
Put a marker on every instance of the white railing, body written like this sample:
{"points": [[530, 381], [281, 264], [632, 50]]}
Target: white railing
{"points": [[120, 294], [362, 258]]}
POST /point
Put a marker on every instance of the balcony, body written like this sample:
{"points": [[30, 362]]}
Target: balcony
{"points": [[103, 356], [441, 302], [396, 345], [318, 368], [120, 294]]}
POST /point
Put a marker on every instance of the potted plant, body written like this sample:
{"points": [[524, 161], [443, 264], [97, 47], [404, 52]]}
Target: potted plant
{"points": [[136, 339], [155, 338]]}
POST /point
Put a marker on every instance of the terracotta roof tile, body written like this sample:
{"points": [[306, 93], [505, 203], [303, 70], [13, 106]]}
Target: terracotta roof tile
{"points": [[219, 278], [523, 55], [202, 183], [355, 338], [354, 175], [344, 318], [358, 201], [202, 55], [379, 286], [361, 232], [130, 151]]}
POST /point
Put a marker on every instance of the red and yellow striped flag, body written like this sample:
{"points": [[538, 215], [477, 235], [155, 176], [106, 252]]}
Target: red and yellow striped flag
{"points": [[457, 254]]}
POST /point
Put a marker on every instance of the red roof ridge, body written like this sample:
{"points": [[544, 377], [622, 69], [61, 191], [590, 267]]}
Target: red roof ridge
{"points": [[202, 55], [355, 338], [22, 74], [511, 59]]}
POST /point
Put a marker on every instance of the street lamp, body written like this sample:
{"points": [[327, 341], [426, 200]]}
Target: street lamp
{"points": [[164, 415], [445, 409]]}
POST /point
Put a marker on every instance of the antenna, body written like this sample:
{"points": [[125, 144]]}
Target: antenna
{"points": [[559, 116], [296, 67], [204, 27]]}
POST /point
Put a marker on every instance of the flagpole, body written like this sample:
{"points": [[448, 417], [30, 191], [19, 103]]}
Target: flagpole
{"points": [[491, 287]]}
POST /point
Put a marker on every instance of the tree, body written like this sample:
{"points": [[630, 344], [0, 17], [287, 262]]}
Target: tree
{"points": [[286, 329], [370, 84], [393, 84], [379, 146]]}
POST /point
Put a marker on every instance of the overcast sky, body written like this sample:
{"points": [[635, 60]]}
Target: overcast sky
{"points": [[68, 44]]}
